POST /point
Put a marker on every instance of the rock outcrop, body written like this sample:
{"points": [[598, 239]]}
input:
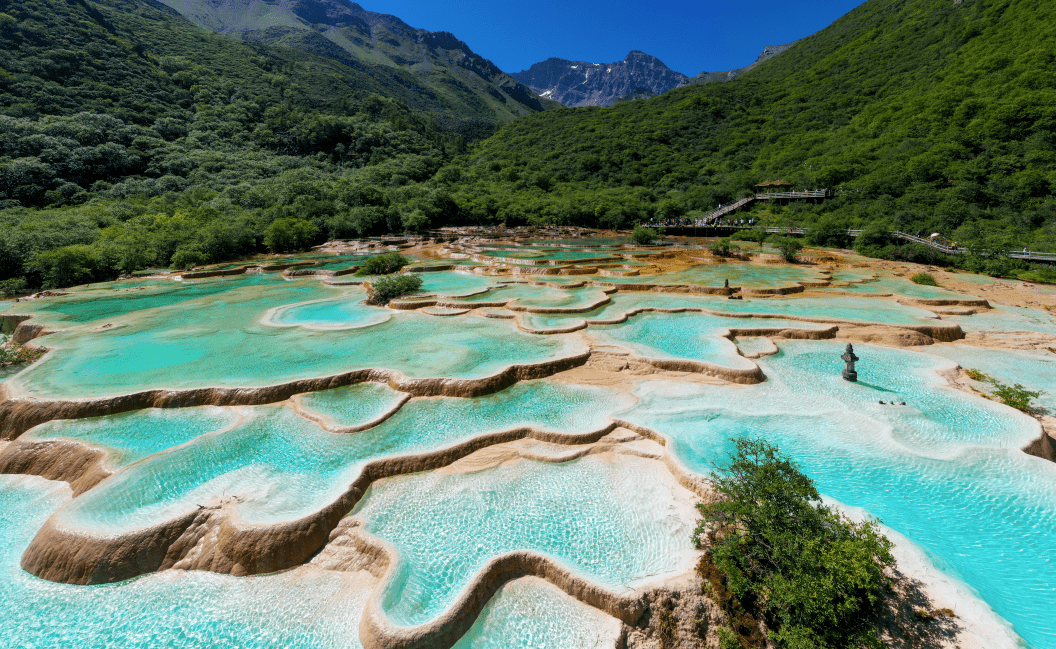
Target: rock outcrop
{"points": [[578, 83]]}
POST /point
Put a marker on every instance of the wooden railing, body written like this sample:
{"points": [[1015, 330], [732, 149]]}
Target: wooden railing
{"points": [[814, 193]]}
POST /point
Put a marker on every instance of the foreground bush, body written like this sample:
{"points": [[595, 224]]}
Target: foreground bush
{"points": [[776, 554], [390, 287], [787, 246], [923, 278], [643, 236], [385, 264], [721, 248]]}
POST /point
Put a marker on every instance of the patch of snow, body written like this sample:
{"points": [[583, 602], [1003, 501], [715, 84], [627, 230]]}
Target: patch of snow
{"points": [[547, 93], [609, 70], [575, 67]]}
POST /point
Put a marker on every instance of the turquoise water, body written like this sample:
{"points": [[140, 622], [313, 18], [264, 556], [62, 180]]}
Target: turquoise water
{"points": [[851, 275], [604, 520], [134, 435], [532, 613], [116, 299], [1009, 318], [282, 466], [183, 610], [901, 286], [353, 405], [453, 283], [584, 241], [945, 470], [832, 308], [222, 343], [692, 336], [510, 292], [739, 274], [1034, 370], [346, 312]]}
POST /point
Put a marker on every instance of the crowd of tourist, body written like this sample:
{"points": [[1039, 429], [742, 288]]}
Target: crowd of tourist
{"points": [[686, 222]]}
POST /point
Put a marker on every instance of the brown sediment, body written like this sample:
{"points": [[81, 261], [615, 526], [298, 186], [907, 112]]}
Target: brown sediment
{"points": [[27, 331], [18, 414], [81, 465], [1044, 446], [780, 290], [967, 302], [201, 274], [429, 269], [10, 321]]}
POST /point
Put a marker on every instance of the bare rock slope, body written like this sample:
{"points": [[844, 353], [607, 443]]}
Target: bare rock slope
{"points": [[578, 83]]}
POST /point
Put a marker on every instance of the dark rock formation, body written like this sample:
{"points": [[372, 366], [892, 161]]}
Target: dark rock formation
{"points": [[578, 83]]}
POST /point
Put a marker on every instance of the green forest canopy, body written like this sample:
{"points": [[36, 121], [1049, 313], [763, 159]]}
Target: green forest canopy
{"points": [[167, 145]]}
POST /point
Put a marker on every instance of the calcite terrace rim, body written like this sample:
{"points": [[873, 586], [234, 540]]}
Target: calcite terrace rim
{"points": [[272, 315], [20, 411], [44, 557]]}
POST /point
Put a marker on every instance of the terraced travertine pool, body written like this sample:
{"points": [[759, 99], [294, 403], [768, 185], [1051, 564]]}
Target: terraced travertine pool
{"points": [[527, 460]]}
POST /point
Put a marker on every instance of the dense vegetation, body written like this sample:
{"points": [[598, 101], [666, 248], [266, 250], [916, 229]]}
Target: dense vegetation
{"points": [[384, 264], [386, 288], [774, 553], [130, 139]]}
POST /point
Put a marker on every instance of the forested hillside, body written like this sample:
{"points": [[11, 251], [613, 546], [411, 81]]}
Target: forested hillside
{"points": [[437, 62], [148, 141], [929, 116], [130, 138]]}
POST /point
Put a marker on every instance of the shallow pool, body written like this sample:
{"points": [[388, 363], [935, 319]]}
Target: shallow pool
{"points": [[608, 521], [531, 613], [184, 610], [280, 466]]}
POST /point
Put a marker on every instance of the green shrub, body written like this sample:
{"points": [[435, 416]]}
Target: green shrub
{"points": [[389, 287], [384, 264], [976, 375], [13, 354], [788, 246], [14, 286], [643, 236], [817, 577], [721, 248], [757, 235], [727, 638], [923, 278], [1015, 396]]}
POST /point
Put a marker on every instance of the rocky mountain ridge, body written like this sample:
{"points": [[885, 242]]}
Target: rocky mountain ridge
{"points": [[579, 83], [639, 76]]}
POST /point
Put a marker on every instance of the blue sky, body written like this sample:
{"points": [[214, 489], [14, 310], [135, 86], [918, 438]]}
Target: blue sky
{"points": [[690, 37]]}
